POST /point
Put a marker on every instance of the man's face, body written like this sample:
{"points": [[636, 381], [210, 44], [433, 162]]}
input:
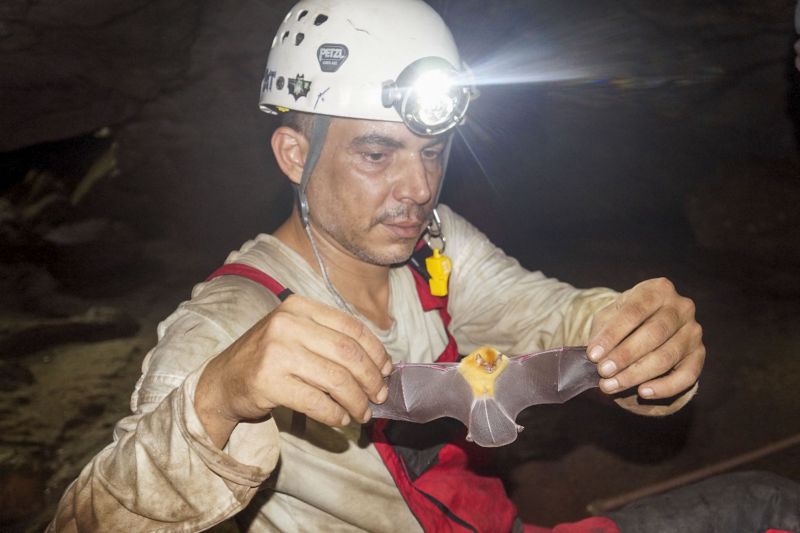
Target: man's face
{"points": [[373, 189]]}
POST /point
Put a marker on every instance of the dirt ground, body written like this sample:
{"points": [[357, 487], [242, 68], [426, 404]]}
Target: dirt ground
{"points": [[568, 456]]}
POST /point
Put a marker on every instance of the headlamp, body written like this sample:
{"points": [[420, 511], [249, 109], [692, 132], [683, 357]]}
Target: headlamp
{"points": [[429, 95]]}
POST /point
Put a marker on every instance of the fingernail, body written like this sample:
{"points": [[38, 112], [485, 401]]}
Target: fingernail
{"points": [[646, 393], [387, 368], [382, 394], [345, 419], [367, 416], [596, 353], [608, 368], [609, 385]]}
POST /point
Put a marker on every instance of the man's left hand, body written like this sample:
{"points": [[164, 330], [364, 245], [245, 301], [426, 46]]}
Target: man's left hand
{"points": [[648, 338]]}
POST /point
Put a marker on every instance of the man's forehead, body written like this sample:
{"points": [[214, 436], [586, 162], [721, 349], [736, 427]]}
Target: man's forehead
{"points": [[352, 130]]}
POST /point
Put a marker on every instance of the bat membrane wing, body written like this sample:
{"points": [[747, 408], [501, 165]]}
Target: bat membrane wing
{"points": [[425, 392], [489, 425], [554, 376], [576, 373]]}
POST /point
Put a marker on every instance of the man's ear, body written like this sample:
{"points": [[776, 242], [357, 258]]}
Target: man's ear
{"points": [[290, 148]]}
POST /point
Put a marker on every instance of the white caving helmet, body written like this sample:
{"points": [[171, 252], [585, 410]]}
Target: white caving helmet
{"points": [[389, 60]]}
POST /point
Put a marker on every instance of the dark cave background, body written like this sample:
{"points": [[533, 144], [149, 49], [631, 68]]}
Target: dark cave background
{"points": [[133, 158]]}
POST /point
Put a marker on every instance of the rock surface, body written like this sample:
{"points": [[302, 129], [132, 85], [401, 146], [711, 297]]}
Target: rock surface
{"points": [[71, 67], [23, 336]]}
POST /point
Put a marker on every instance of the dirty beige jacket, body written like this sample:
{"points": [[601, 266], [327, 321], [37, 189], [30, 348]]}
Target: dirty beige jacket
{"points": [[162, 472]]}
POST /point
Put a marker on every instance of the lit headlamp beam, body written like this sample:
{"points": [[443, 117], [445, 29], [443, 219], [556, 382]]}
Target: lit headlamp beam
{"points": [[428, 95], [590, 54], [522, 66]]}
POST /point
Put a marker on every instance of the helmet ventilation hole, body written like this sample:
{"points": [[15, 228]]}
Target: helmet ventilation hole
{"points": [[320, 20], [284, 36], [302, 15], [299, 38]]}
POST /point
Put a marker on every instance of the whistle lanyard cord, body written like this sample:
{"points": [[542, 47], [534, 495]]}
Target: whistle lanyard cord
{"points": [[340, 301], [321, 124]]}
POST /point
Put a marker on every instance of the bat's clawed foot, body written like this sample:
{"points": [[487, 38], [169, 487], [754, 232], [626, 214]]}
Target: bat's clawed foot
{"points": [[520, 428], [469, 438]]}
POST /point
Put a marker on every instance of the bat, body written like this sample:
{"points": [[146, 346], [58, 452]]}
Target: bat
{"points": [[486, 390]]}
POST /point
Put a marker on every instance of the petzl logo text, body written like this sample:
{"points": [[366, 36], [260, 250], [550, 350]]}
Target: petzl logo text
{"points": [[331, 56]]}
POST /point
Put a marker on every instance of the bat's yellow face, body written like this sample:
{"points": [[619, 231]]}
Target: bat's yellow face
{"points": [[481, 368], [487, 359]]}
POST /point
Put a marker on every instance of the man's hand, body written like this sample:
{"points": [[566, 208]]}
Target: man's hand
{"points": [[304, 355], [648, 337]]}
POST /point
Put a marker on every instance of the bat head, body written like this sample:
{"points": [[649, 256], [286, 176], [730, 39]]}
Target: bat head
{"points": [[487, 359]]}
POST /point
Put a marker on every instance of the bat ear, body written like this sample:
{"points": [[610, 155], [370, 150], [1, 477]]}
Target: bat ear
{"points": [[488, 354], [481, 351]]}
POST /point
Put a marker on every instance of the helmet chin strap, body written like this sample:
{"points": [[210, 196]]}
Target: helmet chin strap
{"points": [[319, 131], [434, 229]]}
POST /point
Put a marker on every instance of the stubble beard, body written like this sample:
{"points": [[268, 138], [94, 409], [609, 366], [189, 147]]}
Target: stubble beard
{"points": [[351, 239]]}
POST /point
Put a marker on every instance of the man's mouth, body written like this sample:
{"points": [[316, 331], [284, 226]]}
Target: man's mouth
{"points": [[404, 229]]}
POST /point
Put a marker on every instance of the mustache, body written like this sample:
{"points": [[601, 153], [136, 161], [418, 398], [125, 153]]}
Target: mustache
{"points": [[404, 213]]}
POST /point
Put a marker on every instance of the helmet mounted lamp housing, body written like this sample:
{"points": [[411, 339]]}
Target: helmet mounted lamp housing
{"points": [[430, 96]]}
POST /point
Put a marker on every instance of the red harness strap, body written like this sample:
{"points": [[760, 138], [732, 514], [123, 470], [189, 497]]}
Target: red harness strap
{"points": [[450, 495], [253, 274]]}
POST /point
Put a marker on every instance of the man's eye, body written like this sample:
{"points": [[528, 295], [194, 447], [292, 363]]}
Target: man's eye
{"points": [[431, 154], [374, 157]]}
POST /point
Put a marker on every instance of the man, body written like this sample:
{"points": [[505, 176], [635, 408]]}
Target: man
{"points": [[308, 320]]}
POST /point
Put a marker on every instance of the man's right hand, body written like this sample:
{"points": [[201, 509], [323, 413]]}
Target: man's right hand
{"points": [[304, 355]]}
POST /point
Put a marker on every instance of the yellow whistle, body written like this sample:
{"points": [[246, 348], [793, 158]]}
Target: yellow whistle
{"points": [[439, 267]]}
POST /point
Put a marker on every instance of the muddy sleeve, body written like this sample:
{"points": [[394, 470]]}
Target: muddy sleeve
{"points": [[162, 470], [494, 301]]}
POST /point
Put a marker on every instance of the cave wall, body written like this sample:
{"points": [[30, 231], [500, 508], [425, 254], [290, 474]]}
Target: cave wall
{"points": [[71, 67], [176, 81]]}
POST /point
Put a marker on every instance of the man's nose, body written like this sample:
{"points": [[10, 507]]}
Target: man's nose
{"points": [[415, 182]]}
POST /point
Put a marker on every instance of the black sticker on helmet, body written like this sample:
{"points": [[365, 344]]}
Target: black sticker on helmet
{"points": [[299, 87], [332, 56], [269, 78], [280, 83]]}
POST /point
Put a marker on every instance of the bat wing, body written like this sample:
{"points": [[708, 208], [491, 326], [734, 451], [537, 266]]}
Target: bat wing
{"points": [[489, 425], [424, 392], [553, 376]]}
